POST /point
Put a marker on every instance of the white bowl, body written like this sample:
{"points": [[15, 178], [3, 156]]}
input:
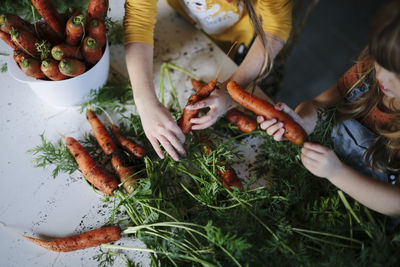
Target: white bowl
{"points": [[69, 92]]}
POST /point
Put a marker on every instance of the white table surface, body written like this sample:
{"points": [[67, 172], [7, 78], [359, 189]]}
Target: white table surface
{"points": [[31, 201]]}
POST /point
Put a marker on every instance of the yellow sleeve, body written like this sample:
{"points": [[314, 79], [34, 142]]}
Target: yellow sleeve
{"points": [[276, 16], [139, 21]]}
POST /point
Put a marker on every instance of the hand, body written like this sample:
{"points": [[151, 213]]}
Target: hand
{"points": [[218, 102], [320, 160], [275, 128], [161, 128]]}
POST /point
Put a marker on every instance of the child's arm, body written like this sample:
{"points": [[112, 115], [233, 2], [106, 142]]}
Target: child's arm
{"points": [[377, 195]]}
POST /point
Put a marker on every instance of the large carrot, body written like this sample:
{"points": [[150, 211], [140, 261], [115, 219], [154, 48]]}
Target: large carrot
{"points": [[75, 29], [241, 120], [71, 67], [100, 132], [187, 115], [126, 144], [62, 51], [10, 22], [50, 68], [98, 9], [48, 11], [31, 67], [293, 131], [125, 174], [95, 28], [91, 50], [85, 240], [47, 33], [100, 178], [25, 41], [7, 39]]}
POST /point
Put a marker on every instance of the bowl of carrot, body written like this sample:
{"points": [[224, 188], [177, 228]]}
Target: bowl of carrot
{"points": [[63, 56]]}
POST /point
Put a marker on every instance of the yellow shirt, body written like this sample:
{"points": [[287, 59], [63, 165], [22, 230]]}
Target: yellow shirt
{"points": [[223, 20]]}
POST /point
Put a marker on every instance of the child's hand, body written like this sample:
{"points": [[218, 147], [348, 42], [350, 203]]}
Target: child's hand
{"points": [[218, 102], [320, 160], [276, 128]]}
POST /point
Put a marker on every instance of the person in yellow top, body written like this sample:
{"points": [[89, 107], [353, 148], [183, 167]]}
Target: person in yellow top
{"points": [[264, 25]]}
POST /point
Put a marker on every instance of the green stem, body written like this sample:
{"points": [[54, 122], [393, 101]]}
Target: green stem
{"points": [[4, 54], [299, 230], [163, 66], [325, 241], [173, 91], [172, 66]]}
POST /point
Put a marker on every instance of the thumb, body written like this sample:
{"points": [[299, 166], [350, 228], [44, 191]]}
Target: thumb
{"points": [[199, 105], [286, 109]]}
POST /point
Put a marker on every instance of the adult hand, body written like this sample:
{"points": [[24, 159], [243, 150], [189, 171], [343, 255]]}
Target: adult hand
{"points": [[320, 160], [276, 128], [218, 102], [161, 128]]}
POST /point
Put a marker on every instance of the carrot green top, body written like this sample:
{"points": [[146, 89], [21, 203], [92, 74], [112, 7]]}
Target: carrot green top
{"points": [[223, 20]]}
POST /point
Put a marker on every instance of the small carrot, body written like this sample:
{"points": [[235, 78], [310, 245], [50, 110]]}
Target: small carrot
{"points": [[10, 22], [96, 29], [31, 67], [293, 131], [47, 33], [75, 29], [98, 9], [25, 41], [71, 67], [50, 68], [48, 11], [100, 178], [197, 85], [125, 174], [241, 120], [100, 132], [81, 241], [19, 56], [91, 50], [7, 39], [126, 144], [62, 51]]}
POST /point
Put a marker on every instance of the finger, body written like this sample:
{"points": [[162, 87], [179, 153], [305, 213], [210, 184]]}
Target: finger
{"points": [[199, 105], [175, 142], [203, 119], [178, 133], [260, 119], [157, 147], [203, 126], [308, 163], [271, 130], [268, 123], [168, 147], [316, 147], [278, 136], [312, 154]]}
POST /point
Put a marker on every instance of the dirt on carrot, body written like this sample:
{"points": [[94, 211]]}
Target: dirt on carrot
{"points": [[127, 144]]}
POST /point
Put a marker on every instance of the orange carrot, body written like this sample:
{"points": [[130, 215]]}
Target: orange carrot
{"points": [[25, 42], [96, 29], [7, 39], [100, 132], [100, 178], [91, 50], [126, 144], [125, 174], [293, 131], [50, 68], [197, 85], [71, 67], [19, 56], [98, 9], [75, 29], [62, 51], [48, 11], [47, 33], [10, 22], [241, 120], [85, 240], [31, 67]]}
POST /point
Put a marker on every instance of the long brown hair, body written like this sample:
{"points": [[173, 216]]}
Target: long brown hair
{"points": [[384, 48]]}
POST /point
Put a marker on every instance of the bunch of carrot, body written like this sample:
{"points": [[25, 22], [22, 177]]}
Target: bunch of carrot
{"points": [[59, 46]]}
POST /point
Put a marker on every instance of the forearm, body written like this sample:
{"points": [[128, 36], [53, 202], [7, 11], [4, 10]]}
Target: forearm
{"points": [[377, 195]]}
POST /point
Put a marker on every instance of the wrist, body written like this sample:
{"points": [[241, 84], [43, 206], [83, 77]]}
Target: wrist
{"points": [[338, 172]]}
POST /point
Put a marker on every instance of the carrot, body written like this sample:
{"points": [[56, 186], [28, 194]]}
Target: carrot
{"points": [[7, 39], [91, 50], [50, 68], [100, 178], [48, 11], [71, 67], [241, 120], [125, 174], [25, 41], [47, 33], [126, 144], [75, 29], [10, 22], [96, 29], [62, 51], [197, 85], [187, 115], [100, 132], [70, 12], [293, 131], [31, 67], [85, 240], [98, 9], [19, 56]]}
